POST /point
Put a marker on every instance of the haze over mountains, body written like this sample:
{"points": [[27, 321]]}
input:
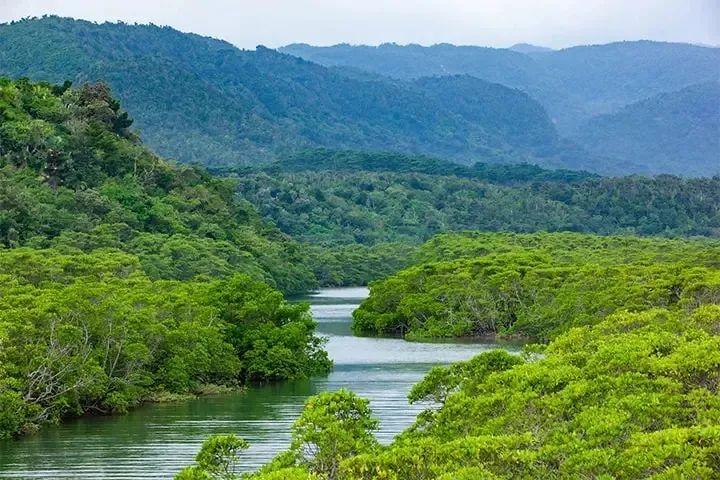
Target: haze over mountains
{"points": [[574, 84], [662, 129], [199, 99]]}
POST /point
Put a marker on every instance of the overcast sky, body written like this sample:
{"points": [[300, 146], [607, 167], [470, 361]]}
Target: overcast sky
{"points": [[498, 23]]}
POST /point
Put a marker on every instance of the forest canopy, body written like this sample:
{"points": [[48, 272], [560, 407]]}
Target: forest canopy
{"points": [[323, 196], [536, 285]]}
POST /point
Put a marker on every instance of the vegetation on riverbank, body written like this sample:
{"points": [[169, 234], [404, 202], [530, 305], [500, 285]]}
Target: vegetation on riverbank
{"points": [[634, 396], [92, 334], [536, 285], [626, 387]]}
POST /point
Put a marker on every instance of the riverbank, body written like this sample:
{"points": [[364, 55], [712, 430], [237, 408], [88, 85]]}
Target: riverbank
{"points": [[156, 440]]}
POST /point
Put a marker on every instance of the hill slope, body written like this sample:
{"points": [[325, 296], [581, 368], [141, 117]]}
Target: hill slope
{"points": [[659, 131], [327, 197], [201, 99]]}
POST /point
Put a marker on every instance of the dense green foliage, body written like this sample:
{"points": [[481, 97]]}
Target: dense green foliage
{"points": [[216, 459], [343, 205], [635, 396], [333, 427], [91, 333], [73, 177], [200, 99], [536, 285], [662, 129]]}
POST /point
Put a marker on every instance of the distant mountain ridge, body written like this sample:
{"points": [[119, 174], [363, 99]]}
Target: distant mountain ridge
{"points": [[573, 84], [198, 99], [662, 129], [582, 88]]}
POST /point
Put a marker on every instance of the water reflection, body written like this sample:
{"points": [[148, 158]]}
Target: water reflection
{"points": [[157, 440]]}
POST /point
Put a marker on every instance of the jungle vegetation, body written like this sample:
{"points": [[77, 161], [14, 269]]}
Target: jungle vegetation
{"points": [[331, 197], [624, 385], [125, 276], [199, 99]]}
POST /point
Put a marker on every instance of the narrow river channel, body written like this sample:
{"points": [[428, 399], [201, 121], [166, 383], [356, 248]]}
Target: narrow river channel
{"points": [[155, 441]]}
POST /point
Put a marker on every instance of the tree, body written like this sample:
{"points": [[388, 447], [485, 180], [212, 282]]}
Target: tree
{"points": [[216, 459], [333, 426]]}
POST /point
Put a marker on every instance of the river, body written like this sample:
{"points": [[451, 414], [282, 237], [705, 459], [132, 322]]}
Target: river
{"points": [[156, 440]]}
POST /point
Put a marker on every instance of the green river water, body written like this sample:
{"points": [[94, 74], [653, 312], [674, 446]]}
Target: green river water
{"points": [[155, 441]]}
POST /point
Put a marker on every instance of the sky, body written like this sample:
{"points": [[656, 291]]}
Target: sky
{"points": [[495, 23]]}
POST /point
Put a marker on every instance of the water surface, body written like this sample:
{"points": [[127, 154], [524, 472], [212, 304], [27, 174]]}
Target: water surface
{"points": [[155, 441]]}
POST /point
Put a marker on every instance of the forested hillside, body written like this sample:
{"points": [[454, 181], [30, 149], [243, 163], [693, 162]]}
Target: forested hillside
{"points": [[574, 84], [345, 197], [126, 277], [74, 176], [658, 131], [668, 133], [198, 99]]}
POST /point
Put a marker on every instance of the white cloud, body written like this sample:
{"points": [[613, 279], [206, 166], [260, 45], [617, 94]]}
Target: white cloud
{"points": [[555, 23]]}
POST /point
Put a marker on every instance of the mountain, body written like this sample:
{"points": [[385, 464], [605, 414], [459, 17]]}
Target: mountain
{"points": [[657, 132], [414, 61], [198, 99], [529, 48], [573, 84]]}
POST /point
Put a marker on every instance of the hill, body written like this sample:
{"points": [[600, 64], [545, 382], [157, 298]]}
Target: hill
{"points": [[573, 84], [198, 99], [125, 277], [660, 130], [74, 176]]}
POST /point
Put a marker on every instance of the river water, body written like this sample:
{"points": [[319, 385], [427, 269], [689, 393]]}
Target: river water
{"points": [[155, 441]]}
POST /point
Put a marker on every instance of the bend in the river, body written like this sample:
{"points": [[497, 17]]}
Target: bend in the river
{"points": [[157, 440]]}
